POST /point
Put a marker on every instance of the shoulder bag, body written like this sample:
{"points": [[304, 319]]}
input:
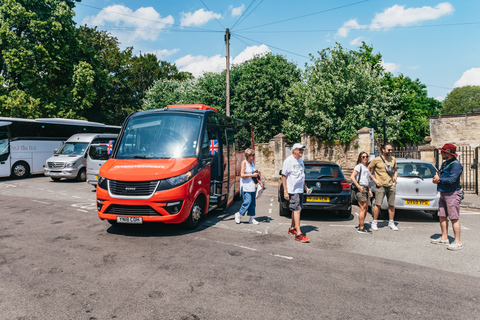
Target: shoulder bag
{"points": [[388, 168]]}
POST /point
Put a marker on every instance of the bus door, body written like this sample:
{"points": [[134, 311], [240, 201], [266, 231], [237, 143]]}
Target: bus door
{"points": [[4, 149], [219, 168], [231, 160]]}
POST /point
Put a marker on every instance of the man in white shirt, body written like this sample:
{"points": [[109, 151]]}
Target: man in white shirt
{"points": [[293, 180]]}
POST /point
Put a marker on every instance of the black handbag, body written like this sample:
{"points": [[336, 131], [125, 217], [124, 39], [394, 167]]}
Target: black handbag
{"points": [[353, 186], [255, 179]]}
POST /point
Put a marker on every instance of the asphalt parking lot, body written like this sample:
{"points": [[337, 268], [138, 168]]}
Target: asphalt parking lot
{"points": [[58, 260]]}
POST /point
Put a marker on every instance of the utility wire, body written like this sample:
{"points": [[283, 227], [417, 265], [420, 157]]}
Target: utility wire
{"points": [[307, 15], [211, 12], [157, 21], [248, 14], [270, 46]]}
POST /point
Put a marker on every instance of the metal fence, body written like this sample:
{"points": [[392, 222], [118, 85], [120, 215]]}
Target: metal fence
{"points": [[410, 152], [468, 157]]}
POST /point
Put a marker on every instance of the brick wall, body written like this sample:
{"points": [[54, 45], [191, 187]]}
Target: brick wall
{"points": [[459, 129]]}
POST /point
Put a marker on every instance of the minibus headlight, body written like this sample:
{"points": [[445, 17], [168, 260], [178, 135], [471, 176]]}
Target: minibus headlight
{"points": [[70, 164], [102, 183], [181, 179]]}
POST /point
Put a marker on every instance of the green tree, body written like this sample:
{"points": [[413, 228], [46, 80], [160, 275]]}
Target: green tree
{"points": [[259, 90], [462, 100], [342, 92], [415, 105], [38, 47]]}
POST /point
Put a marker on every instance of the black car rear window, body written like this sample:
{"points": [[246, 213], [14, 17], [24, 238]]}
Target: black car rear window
{"points": [[316, 171]]}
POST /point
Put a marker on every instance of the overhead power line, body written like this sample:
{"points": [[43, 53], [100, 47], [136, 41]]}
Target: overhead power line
{"points": [[211, 12], [270, 46], [306, 15], [238, 21]]}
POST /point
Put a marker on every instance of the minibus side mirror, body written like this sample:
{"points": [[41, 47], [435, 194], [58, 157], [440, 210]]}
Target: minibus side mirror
{"points": [[55, 151]]}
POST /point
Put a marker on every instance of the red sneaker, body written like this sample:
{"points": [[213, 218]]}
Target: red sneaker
{"points": [[301, 237], [292, 231]]}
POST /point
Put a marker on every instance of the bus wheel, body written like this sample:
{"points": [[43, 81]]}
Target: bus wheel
{"points": [[55, 179], [20, 170], [82, 175], [193, 219]]}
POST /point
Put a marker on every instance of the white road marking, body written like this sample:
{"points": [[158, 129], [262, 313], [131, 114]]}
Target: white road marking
{"points": [[82, 210], [284, 257], [464, 228], [77, 197], [469, 212], [40, 201], [341, 225], [269, 210]]}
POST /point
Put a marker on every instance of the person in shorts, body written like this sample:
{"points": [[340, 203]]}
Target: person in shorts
{"points": [[360, 178], [386, 184], [293, 180], [448, 184]]}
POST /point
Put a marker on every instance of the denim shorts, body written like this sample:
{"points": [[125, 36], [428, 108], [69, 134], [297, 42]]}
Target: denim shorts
{"points": [[296, 201]]}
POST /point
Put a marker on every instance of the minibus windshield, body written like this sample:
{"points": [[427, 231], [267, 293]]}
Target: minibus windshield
{"points": [[160, 136], [73, 148]]}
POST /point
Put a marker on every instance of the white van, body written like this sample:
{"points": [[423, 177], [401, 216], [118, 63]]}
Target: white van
{"points": [[98, 154], [70, 161]]}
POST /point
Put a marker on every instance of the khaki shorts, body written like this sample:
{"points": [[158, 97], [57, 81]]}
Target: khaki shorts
{"points": [[362, 196], [381, 192]]}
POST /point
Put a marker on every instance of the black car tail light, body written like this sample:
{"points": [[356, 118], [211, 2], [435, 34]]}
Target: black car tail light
{"points": [[345, 185]]}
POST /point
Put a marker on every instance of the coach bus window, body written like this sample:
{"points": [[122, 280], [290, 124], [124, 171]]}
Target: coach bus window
{"points": [[3, 146]]}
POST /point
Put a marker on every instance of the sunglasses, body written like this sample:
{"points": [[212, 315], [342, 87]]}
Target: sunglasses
{"points": [[301, 150], [364, 157]]}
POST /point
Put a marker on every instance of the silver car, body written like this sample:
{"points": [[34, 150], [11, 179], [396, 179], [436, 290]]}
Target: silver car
{"points": [[415, 189]]}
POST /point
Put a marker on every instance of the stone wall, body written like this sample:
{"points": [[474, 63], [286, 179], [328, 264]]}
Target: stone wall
{"points": [[269, 157], [459, 129]]}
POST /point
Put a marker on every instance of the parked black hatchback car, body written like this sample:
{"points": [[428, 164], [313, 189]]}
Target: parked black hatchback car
{"points": [[330, 189]]}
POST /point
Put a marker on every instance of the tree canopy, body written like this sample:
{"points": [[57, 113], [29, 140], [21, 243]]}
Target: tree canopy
{"points": [[462, 100]]}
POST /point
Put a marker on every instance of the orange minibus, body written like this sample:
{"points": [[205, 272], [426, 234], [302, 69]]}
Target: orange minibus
{"points": [[173, 165]]}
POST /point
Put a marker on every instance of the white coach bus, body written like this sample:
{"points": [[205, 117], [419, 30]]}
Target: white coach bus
{"points": [[25, 144]]}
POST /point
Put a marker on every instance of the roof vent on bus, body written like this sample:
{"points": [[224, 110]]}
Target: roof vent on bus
{"points": [[190, 106]]}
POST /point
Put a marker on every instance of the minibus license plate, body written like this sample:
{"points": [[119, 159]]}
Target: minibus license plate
{"points": [[417, 202], [318, 199], [133, 220]]}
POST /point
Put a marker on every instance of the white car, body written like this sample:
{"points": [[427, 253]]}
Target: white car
{"points": [[415, 189]]}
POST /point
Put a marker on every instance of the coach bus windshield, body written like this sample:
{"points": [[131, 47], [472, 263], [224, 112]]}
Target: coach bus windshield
{"points": [[160, 136]]}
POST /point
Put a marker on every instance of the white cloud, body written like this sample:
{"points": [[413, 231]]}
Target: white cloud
{"points": [[356, 41], [349, 25], [146, 22], [390, 66], [237, 11], [163, 53], [469, 78], [399, 16], [198, 65], [198, 18]]}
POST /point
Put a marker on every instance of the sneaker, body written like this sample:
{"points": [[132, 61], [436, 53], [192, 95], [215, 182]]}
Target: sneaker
{"points": [[392, 226], [252, 220], [364, 231], [374, 226], [440, 241], [237, 217], [301, 237], [292, 231], [454, 246]]}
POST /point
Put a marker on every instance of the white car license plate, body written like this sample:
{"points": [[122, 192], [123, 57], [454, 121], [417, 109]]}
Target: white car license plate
{"points": [[133, 220]]}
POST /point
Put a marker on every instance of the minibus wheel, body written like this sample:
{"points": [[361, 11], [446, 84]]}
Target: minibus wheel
{"points": [[20, 170], [82, 175], [193, 219]]}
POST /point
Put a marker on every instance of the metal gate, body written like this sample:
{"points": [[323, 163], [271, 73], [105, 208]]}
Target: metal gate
{"points": [[468, 157], [406, 152]]}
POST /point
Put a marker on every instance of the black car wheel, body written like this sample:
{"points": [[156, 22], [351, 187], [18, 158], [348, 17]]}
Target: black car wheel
{"points": [[344, 214], [284, 212]]}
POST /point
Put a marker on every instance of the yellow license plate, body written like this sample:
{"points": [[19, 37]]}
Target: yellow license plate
{"points": [[418, 202], [318, 199]]}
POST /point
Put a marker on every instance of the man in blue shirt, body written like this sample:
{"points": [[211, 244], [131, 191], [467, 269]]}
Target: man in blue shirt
{"points": [[448, 184]]}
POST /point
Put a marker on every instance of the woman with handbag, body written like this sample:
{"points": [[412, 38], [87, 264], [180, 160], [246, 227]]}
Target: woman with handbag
{"points": [[360, 177], [247, 187]]}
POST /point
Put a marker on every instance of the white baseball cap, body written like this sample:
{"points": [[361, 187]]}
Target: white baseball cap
{"points": [[298, 146]]}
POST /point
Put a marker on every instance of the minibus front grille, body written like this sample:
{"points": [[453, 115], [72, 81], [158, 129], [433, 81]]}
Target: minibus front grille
{"points": [[132, 188], [131, 210], [55, 165]]}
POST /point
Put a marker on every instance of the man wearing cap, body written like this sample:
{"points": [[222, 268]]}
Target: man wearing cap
{"points": [[293, 180], [448, 184]]}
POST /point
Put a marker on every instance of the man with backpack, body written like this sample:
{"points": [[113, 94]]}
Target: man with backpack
{"points": [[448, 184]]}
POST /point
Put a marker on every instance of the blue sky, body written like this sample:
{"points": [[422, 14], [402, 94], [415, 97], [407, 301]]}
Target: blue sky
{"points": [[434, 41]]}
